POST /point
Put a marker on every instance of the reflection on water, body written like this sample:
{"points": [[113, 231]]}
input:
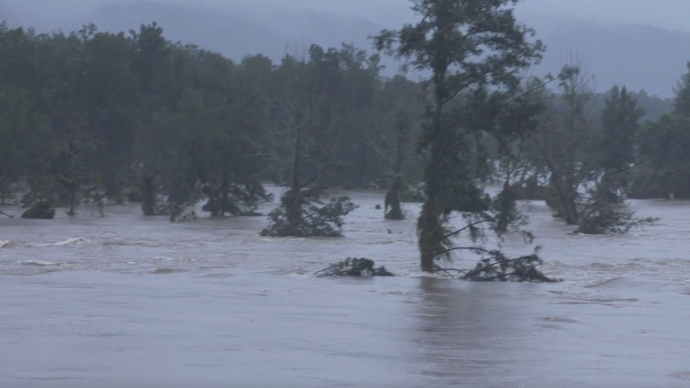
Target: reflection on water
{"points": [[102, 301], [459, 332]]}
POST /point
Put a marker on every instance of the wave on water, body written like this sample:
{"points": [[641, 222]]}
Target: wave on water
{"points": [[130, 243], [301, 274], [602, 282], [38, 263], [166, 258], [421, 274], [165, 271], [9, 244], [72, 241]]}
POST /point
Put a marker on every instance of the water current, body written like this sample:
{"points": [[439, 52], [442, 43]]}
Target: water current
{"points": [[129, 300]]}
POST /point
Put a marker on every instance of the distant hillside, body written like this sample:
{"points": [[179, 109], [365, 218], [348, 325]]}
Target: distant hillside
{"points": [[638, 56]]}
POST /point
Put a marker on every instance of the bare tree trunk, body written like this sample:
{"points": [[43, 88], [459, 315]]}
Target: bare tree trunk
{"points": [[148, 196], [430, 225], [393, 201], [431, 235], [71, 186], [293, 201]]}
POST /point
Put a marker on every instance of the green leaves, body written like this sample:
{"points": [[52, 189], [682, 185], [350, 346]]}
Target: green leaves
{"points": [[620, 123], [681, 104], [475, 51]]}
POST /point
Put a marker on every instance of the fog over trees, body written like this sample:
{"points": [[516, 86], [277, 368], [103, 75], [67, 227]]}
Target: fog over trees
{"points": [[639, 43]]}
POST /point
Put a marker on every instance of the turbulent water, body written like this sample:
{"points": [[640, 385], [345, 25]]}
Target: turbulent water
{"points": [[124, 299]]}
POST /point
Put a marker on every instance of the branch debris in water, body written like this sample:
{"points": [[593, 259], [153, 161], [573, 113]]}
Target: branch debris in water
{"points": [[354, 267]]}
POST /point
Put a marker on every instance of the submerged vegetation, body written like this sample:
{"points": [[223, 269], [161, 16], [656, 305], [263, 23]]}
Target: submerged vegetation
{"points": [[91, 116], [303, 214], [354, 267]]}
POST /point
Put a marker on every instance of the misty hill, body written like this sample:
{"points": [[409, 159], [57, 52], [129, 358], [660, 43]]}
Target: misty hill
{"points": [[638, 56]]}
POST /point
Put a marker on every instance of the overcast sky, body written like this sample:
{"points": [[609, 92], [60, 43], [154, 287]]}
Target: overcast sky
{"points": [[617, 53], [670, 14]]}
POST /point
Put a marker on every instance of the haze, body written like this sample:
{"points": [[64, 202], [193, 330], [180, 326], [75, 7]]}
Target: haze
{"points": [[643, 44]]}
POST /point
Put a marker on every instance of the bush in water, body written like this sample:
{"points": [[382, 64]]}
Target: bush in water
{"points": [[302, 214], [494, 268], [499, 268], [354, 267]]}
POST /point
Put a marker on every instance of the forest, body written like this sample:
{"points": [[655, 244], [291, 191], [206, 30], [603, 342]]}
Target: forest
{"points": [[131, 117]]}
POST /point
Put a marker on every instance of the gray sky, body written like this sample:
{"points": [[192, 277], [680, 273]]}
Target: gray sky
{"points": [[639, 57], [669, 14]]}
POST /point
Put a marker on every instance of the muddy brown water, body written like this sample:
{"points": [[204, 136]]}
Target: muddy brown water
{"points": [[124, 299]]}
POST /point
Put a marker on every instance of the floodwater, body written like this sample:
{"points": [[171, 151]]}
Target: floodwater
{"points": [[124, 299]]}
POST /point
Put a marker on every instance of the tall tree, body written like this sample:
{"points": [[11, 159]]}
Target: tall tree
{"points": [[475, 50], [567, 141], [681, 104], [308, 131], [665, 152], [620, 121]]}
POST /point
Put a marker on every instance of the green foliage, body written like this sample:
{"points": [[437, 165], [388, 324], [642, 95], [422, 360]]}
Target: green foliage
{"points": [[135, 115], [604, 213], [412, 193], [499, 268], [304, 214], [568, 142], [507, 213], [681, 105], [664, 163], [474, 49], [354, 267], [620, 121]]}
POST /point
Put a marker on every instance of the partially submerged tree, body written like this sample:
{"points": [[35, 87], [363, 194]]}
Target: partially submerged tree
{"points": [[302, 127], [566, 140], [664, 163], [589, 164], [475, 50], [662, 168], [603, 214], [403, 125], [497, 267], [355, 267]]}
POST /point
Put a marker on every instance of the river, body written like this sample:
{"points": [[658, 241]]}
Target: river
{"points": [[128, 300]]}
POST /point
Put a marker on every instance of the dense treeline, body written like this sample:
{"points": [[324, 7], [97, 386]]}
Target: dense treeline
{"points": [[131, 116], [136, 115]]}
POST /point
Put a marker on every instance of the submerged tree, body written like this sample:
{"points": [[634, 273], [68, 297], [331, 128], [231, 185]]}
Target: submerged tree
{"points": [[588, 163], [303, 125], [662, 168], [403, 127], [665, 158], [475, 50], [567, 141], [602, 213]]}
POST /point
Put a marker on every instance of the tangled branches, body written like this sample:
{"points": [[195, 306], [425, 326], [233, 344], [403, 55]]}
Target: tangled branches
{"points": [[354, 267], [499, 268], [303, 214]]}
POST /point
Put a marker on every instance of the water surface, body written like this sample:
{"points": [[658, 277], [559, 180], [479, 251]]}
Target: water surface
{"points": [[101, 302]]}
